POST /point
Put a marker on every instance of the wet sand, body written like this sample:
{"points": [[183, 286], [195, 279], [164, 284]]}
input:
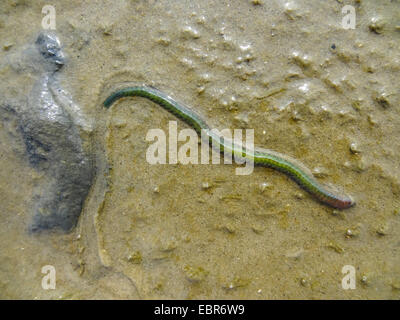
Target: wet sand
{"points": [[326, 96]]}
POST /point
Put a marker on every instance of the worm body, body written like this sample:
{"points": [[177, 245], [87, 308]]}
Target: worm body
{"points": [[262, 157]]}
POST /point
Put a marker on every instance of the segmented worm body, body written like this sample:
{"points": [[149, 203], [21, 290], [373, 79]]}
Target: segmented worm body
{"points": [[262, 157]]}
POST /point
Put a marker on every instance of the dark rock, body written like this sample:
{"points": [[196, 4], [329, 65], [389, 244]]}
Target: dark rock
{"points": [[54, 145], [50, 48], [52, 127]]}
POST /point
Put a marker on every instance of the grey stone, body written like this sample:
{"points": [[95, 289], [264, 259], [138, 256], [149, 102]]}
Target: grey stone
{"points": [[52, 127]]}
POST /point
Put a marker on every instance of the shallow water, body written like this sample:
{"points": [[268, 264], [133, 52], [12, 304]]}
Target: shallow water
{"points": [[326, 96]]}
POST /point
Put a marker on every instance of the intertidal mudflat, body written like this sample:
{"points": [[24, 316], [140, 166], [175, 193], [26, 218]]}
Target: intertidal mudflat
{"points": [[310, 88]]}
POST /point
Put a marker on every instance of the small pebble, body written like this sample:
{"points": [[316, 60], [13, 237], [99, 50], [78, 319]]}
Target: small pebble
{"points": [[7, 46], [291, 10], [205, 185], [135, 258], [354, 148], [371, 120], [164, 41], [302, 60], [336, 247], [376, 25], [299, 195], [353, 232], [383, 99], [356, 104], [201, 20], [320, 172], [364, 279], [263, 186], [349, 233], [200, 89], [303, 282], [190, 32]]}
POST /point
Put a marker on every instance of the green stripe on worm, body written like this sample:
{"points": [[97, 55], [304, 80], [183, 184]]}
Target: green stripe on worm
{"points": [[261, 157]]}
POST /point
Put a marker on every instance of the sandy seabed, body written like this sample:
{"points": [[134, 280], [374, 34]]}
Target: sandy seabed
{"points": [[325, 95]]}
